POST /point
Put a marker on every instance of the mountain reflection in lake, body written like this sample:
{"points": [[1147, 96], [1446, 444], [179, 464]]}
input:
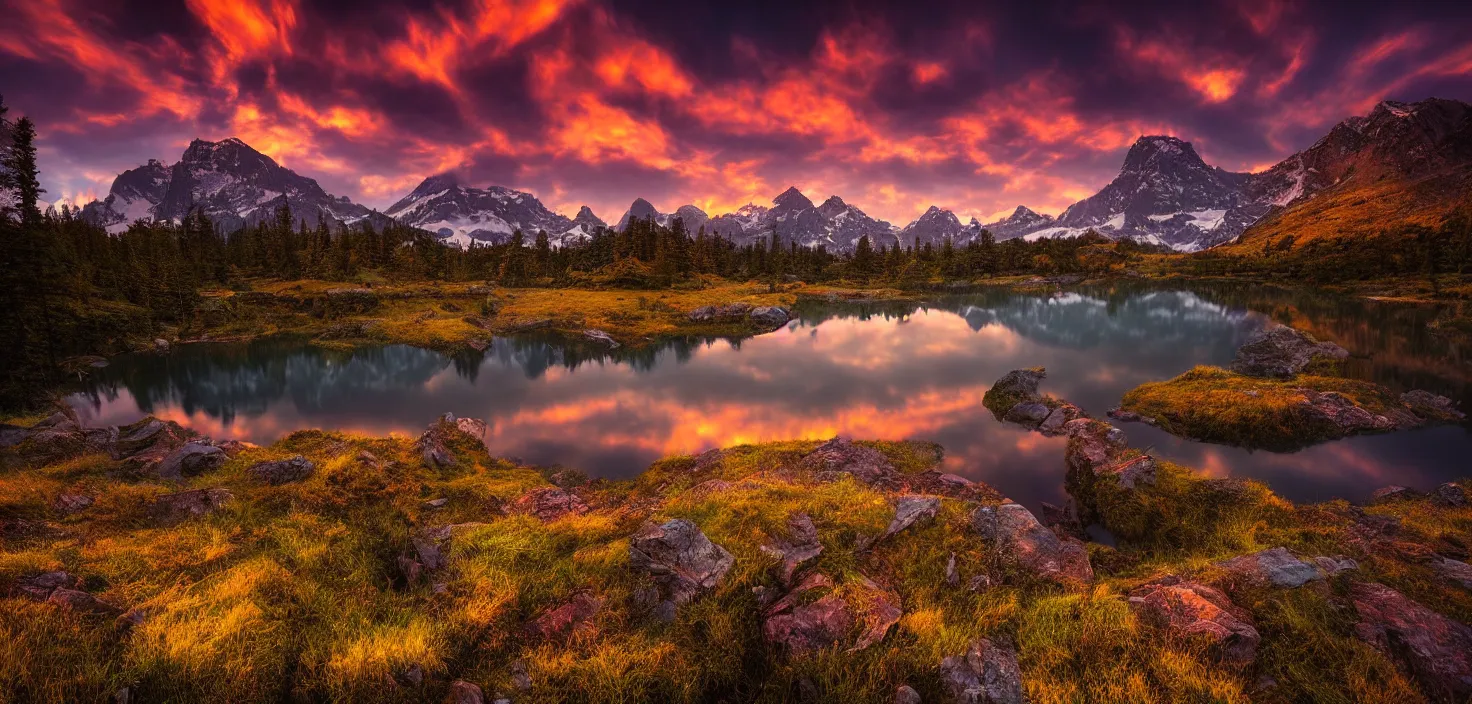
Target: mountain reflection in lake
{"points": [[883, 371]]}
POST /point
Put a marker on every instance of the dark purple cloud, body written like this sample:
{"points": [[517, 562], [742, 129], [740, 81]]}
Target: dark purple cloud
{"points": [[972, 106]]}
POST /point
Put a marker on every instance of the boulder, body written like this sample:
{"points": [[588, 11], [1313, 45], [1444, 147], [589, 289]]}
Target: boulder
{"points": [[824, 623], [462, 692], [842, 456], [987, 674], [909, 510], [1453, 571], [191, 460], [1342, 412], [729, 313], [768, 317], [77, 600], [179, 506], [281, 472], [683, 562], [550, 503], [1394, 492], [1276, 567], [1282, 352], [879, 610], [12, 435], [520, 679], [39, 587], [1192, 609], [1431, 406], [798, 547], [152, 436], [601, 338], [906, 695], [1132, 473], [1450, 495], [72, 503], [1058, 417], [433, 445], [1019, 385], [1333, 566], [1028, 413], [1092, 444], [574, 615], [1023, 541], [1436, 650]]}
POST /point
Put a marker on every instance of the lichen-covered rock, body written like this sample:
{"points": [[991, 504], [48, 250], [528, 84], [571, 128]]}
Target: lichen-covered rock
{"points": [[433, 445], [1028, 413], [909, 510], [72, 503], [191, 460], [1276, 567], [78, 600], [550, 503], [879, 610], [1435, 649], [906, 695], [821, 624], [1023, 541], [1342, 412], [987, 674], [40, 586], [802, 624], [1394, 492], [1015, 387], [1193, 609], [575, 614], [1131, 473], [682, 561], [1280, 351], [798, 547], [1091, 444], [281, 472], [183, 505]]}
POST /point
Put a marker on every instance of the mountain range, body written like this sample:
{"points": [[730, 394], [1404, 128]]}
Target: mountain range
{"points": [[1408, 155]]}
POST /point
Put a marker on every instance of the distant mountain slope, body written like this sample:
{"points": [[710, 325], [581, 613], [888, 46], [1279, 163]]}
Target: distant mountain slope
{"points": [[462, 215], [1403, 164], [235, 185]]}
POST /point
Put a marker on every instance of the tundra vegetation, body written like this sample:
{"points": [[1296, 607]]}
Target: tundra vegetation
{"points": [[330, 566]]}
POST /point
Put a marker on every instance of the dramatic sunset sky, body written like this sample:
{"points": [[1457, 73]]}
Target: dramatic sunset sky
{"points": [[970, 105]]}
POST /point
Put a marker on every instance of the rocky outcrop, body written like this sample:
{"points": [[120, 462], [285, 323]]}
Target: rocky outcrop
{"points": [[768, 317], [572, 616], [842, 456], [1431, 406], [802, 624], [1279, 568], [1436, 650], [1453, 571], [40, 586], [550, 503], [1193, 609], [909, 510], [68, 504], [191, 460], [183, 505], [797, 548], [1345, 415], [729, 313], [600, 337], [61, 589], [683, 562], [1024, 542], [987, 674], [1018, 387], [434, 444], [281, 472], [1450, 495], [1282, 352]]}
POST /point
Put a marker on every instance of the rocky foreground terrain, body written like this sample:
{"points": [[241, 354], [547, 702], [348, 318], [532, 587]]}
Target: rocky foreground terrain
{"points": [[144, 563]]}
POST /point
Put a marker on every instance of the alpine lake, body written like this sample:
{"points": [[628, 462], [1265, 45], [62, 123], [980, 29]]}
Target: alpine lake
{"points": [[875, 370]]}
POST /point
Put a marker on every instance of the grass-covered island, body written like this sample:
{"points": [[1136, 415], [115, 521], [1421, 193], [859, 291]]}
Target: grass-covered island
{"points": [[143, 563], [1281, 393]]}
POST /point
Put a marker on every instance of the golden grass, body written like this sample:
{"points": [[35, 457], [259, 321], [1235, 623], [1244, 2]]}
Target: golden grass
{"points": [[292, 592], [1215, 405]]}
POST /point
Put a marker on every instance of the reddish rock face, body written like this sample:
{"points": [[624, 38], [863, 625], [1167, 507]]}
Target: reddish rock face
{"points": [[550, 503], [800, 546], [987, 674], [839, 455], [172, 508], [1435, 649], [572, 616], [1277, 567], [1281, 351], [1193, 609], [1025, 542], [821, 624], [829, 621], [682, 561]]}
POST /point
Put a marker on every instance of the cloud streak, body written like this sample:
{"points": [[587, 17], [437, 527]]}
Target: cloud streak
{"points": [[596, 102]]}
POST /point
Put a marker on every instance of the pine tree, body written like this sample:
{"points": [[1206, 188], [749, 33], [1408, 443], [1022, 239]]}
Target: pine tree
{"points": [[21, 175]]}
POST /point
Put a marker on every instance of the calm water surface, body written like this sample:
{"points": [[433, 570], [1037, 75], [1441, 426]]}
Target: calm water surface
{"points": [[887, 371]]}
